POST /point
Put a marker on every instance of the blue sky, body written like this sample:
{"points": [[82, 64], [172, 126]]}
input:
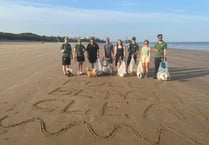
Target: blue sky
{"points": [[179, 20]]}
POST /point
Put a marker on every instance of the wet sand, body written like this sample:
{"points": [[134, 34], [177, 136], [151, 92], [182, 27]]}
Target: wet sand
{"points": [[39, 105]]}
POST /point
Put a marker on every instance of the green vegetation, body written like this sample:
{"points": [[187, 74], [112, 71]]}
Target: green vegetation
{"points": [[34, 37]]}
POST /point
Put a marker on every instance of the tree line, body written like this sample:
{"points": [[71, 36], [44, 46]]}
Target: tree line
{"points": [[35, 37]]}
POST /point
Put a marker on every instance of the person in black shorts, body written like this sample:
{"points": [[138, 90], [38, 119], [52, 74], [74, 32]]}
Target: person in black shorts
{"points": [[66, 56], [92, 51], [133, 51], [79, 54]]}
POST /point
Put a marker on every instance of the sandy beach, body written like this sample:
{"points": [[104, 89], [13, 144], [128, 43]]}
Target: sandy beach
{"points": [[41, 106]]}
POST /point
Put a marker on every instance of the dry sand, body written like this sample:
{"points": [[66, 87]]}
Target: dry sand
{"points": [[40, 106]]}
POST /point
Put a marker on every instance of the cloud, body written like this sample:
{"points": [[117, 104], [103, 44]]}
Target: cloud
{"points": [[49, 19], [35, 12]]}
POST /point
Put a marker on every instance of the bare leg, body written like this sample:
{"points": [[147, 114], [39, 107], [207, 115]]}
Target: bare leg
{"points": [[147, 68], [64, 69], [144, 68], [80, 67], [118, 65], [111, 67], [68, 70]]}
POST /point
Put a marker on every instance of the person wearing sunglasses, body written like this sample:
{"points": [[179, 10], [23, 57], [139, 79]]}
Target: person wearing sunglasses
{"points": [[160, 48], [145, 58]]}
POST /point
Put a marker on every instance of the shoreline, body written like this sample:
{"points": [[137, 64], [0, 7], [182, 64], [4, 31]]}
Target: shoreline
{"points": [[85, 43]]}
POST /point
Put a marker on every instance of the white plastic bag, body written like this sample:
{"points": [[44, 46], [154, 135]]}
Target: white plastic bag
{"points": [[131, 67], [98, 66], [139, 70], [122, 69], [163, 73], [106, 67]]}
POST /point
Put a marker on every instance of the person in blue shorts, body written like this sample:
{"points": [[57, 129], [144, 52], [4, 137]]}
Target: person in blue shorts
{"points": [[108, 52]]}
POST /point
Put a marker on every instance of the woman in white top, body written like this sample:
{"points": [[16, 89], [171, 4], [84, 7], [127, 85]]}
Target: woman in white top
{"points": [[145, 57]]}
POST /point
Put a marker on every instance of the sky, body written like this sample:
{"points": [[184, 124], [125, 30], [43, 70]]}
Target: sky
{"points": [[178, 21]]}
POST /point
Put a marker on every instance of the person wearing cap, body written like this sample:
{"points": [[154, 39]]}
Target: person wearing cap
{"points": [[160, 48], [79, 54], [108, 52], [92, 51], [133, 50], [66, 56]]}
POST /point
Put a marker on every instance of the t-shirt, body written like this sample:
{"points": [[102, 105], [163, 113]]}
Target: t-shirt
{"points": [[133, 48], [79, 50], [67, 50], [108, 50], [160, 47], [92, 50]]}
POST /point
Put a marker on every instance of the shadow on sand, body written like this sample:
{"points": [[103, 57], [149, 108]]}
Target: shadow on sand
{"points": [[184, 74]]}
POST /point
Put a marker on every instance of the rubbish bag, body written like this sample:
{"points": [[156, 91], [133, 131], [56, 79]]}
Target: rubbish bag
{"points": [[98, 66], [131, 67], [122, 69], [106, 67], [163, 73], [139, 70], [163, 66]]}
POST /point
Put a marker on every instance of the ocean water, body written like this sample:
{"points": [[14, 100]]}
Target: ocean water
{"points": [[199, 46]]}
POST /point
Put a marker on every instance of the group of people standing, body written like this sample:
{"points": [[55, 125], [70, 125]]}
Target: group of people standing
{"points": [[111, 54]]}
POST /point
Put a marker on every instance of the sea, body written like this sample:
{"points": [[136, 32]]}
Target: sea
{"points": [[199, 46]]}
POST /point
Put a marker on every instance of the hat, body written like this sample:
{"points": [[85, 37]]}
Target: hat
{"points": [[133, 38], [159, 35]]}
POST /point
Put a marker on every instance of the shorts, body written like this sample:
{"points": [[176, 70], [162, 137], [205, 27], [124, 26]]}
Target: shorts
{"points": [[66, 61], [145, 59], [92, 59], [109, 60], [80, 58]]}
